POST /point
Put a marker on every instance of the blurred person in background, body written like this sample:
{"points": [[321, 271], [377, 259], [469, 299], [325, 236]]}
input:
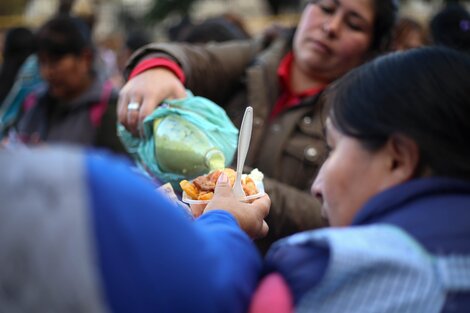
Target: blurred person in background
{"points": [[214, 29], [29, 77], [451, 27], [18, 45], [77, 102], [280, 75], [133, 40], [408, 34]]}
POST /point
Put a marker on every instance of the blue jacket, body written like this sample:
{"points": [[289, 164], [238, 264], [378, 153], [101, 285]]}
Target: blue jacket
{"points": [[93, 236], [433, 211]]}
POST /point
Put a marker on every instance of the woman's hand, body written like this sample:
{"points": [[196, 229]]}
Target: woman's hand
{"points": [[250, 216], [148, 89]]}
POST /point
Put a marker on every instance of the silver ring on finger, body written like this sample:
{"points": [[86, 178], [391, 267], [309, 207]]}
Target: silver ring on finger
{"points": [[133, 106]]}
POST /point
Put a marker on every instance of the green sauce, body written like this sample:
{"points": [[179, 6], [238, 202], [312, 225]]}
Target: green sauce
{"points": [[181, 148], [215, 160]]}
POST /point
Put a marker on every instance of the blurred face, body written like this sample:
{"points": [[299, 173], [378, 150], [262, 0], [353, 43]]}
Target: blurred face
{"points": [[349, 177], [411, 40], [333, 36], [67, 76]]}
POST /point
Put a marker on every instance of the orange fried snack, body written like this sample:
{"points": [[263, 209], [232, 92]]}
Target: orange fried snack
{"points": [[202, 187], [205, 195], [249, 186], [190, 189], [214, 176]]}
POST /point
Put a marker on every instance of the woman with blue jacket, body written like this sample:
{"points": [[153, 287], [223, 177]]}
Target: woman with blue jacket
{"points": [[396, 190]]}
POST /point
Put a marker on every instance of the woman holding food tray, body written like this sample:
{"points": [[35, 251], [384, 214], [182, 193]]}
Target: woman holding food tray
{"points": [[280, 75]]}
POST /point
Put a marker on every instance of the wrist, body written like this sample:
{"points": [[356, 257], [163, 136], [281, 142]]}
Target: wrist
{"points": [[159, 63]]}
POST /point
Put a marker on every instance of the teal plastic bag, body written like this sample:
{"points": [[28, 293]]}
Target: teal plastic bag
{"points": [[182, 139], [27, 80]]}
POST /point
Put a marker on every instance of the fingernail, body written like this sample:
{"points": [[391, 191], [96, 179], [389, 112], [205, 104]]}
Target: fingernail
{"points": [[223, 178]]}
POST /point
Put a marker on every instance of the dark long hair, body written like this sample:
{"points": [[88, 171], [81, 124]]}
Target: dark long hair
{"points": [[19, 44], [423, 94], [386, 12]]}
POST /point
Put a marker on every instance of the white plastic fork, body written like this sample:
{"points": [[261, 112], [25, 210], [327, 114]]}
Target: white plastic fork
{"points": [[244, 138]]}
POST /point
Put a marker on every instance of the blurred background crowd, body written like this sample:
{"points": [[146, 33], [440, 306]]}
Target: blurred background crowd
{"points": [[170, 20], [118, 28], [121, 26]]}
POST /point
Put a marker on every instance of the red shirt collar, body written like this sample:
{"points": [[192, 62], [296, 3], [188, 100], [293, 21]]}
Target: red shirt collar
{"points": [[288, 98], [283, 72]]}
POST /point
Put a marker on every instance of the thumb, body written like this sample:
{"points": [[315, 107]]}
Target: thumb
{"points": [[222, 188]]}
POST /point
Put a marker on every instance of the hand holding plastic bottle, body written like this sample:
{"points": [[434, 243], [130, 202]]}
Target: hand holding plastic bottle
{"points": [[148, 89]]}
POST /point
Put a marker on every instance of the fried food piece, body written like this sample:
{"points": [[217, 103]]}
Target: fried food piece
{"points": [[232, 175], [205, 195], [208, 182], [214, 176], [249, 186], [190, 189], [202, 187], [204, 183]]}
